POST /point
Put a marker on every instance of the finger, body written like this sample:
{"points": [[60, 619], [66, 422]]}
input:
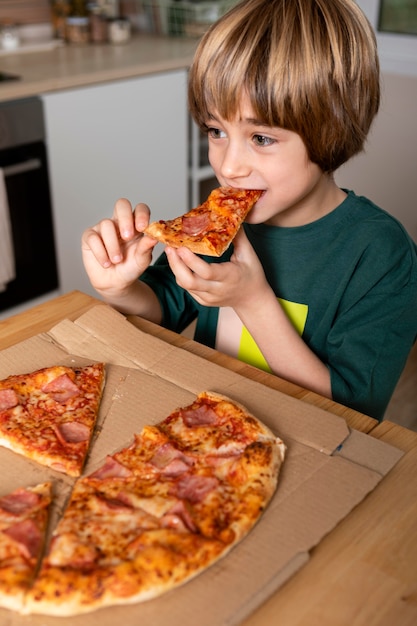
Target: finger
{"points": [[197, 265], [241, 246], [123, 217], [185, 276], [206, 283], [141, 216], [93, 243]]}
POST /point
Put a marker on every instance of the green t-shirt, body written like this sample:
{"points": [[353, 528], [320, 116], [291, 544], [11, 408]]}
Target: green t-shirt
{"points": [[347, 281]]}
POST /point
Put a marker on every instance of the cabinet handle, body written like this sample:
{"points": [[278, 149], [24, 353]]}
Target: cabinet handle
{"points": [[21, 168]]}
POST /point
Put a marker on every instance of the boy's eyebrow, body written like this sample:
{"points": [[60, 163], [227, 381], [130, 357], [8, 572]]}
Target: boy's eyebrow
{"points": [[256, 122], [249, 120]]}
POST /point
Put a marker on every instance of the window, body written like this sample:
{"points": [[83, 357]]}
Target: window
{"points": [[395, 24], [398, 16]]}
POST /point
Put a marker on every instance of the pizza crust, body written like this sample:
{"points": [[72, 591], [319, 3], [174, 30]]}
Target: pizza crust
{"points": [[138, 580]]}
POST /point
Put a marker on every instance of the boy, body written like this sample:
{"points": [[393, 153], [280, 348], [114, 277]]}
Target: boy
{"points": [[320, 286]]}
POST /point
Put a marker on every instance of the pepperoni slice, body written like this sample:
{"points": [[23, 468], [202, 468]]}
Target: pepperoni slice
{"points": [[196, 224]]}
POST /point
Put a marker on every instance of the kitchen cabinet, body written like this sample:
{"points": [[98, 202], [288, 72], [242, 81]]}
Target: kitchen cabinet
{"points": [[125, 138], [202, 178]]}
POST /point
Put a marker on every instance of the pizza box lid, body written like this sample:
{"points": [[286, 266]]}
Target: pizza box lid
{"points": [[328, 469]]}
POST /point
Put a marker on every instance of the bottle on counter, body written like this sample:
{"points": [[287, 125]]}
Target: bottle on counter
{"points": [[59, 13], [99, 28]]}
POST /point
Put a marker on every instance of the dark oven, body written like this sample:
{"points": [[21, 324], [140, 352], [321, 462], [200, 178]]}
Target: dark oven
{"points": [[28, 267]]}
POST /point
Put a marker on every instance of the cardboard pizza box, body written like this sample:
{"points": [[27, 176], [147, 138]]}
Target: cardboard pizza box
{"points": [[328, 470]]}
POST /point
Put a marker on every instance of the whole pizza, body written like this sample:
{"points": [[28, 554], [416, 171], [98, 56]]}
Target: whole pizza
{"points": [[157, 513]]}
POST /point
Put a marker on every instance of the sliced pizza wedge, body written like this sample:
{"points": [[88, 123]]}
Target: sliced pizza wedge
{"points": [[209, 228], [23, 524], [49, 415]]}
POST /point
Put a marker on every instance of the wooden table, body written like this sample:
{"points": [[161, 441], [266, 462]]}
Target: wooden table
{"points": [[364, 573]]}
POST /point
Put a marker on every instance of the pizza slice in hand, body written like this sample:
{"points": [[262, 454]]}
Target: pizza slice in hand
{"points": [[209, 228], [49, 415], [23, 523]]}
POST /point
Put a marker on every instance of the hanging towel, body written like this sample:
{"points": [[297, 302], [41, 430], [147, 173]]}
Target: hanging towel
{"points": [[7, 265]]}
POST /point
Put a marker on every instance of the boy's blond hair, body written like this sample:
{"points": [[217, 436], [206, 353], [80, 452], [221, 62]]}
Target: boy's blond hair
{"points": [[310, 66]]}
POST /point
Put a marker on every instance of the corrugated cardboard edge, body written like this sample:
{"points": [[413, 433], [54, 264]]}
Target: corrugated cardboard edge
{"points": [[116, 336], [122, 343]]}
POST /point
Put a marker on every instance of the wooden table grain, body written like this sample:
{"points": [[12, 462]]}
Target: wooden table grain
{"points": [[364, 573]]}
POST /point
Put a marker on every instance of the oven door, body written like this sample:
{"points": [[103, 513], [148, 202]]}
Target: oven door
{"points": [[25, 174]]}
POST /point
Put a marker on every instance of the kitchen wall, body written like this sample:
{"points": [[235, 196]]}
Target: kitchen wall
{"points": [[39, 11], [387, 171], [25, 11]]}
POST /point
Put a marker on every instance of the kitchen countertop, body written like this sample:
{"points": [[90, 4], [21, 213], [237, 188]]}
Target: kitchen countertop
{"points": [[72, 66]]}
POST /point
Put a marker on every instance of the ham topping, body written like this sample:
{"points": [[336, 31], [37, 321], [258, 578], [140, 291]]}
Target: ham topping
{"points": [[194, 488], [113, 505], [111, 469], [28, 537], [195, 224], [170, 461], [19, 501], [67, 549], [8, 399], [178, 518], [204, 415], [61, 388], [72, 432]]}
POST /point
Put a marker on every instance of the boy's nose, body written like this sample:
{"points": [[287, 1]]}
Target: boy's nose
{"points": [[234, 163]]}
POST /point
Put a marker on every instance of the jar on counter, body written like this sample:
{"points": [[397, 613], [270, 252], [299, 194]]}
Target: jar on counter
{"points": [[78, 23], [78, 30], [119, 30], [9, 36]]}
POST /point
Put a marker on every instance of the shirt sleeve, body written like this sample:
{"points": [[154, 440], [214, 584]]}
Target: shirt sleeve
{"points": [[179, 308]]}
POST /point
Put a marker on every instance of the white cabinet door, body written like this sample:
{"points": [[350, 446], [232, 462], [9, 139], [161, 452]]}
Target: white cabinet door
{"points": [[121, 139]]}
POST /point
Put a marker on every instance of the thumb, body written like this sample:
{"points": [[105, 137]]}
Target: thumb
{"points": [[242, 248]]}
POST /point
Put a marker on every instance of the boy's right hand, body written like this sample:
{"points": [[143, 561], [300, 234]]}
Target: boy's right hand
{"points": [[115, 252]]}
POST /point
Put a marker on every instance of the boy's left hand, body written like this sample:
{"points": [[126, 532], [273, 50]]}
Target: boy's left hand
{"points": [[220, 284]]}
